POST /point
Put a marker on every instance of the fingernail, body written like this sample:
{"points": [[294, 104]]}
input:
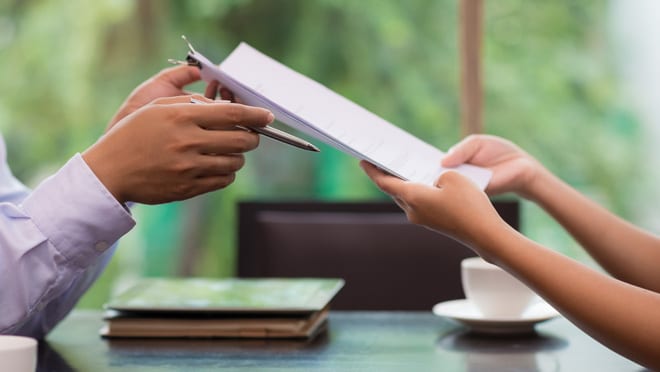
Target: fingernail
{"points": [[271, 117]]}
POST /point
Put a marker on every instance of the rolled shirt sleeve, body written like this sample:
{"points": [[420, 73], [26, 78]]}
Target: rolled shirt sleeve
{"points": [[53, 245]]}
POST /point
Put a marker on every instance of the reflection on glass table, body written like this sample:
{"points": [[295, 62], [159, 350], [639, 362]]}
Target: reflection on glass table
{"points": [[520, 352]]}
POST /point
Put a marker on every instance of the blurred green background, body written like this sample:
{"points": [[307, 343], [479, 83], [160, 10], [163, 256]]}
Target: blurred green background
{"points": [[551, 83]]}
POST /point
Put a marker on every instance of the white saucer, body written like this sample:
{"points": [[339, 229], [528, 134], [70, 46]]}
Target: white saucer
{"points": [[464, 312]]}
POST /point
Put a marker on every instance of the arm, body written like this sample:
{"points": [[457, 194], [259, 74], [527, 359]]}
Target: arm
{"points": [[53, 245], [621, 316], [58, 240], [625, 251]]}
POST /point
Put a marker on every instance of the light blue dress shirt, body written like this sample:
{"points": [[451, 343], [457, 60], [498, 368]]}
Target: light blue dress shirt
{"points": [[55, 240]]}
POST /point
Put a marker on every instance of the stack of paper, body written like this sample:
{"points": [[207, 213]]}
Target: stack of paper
{"points": [[235, 308], [311, 108]]}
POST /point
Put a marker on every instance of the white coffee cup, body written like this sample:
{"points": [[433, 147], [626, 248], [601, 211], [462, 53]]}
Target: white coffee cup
{"points": [[18, 353], [493, 291]]}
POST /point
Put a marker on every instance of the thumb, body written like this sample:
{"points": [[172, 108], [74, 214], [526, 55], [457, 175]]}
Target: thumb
{"points": [[450, 178], [462, 152], [179, 76], [389, 184]]}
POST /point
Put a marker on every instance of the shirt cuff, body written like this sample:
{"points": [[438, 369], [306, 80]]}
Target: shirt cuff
{"points": [[75, 211]]}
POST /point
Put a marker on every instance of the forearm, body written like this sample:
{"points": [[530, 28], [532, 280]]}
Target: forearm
{"points": [[624, 250], [621, 316], [53, 245], [33, 300]]}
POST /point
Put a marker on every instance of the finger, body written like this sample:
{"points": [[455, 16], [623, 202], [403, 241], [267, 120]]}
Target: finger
{"points": [[227, 142], [179, 99], [453, 178], [443, 179], [179, 76], [462, 152], [212, 183], [210, 166], [221, 115], [227, 94], [212, 89], [389, 184]]}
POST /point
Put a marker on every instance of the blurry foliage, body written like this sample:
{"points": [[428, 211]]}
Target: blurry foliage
{"points": [[67, 65]]}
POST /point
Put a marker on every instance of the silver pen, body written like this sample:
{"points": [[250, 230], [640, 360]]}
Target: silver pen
{"points": [[275, 134]]}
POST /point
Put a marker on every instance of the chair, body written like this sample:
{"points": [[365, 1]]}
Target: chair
{"points": [[388, 263]]}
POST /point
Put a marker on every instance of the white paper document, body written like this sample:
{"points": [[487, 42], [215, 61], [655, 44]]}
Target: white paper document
{"points": [[311, 108]]}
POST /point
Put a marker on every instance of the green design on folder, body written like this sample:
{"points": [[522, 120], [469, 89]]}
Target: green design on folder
{"points": [[228, 295]]}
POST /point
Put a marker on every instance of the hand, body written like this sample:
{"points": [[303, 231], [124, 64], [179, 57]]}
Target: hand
{"points": [[167, 83], [214, 88], [513, 169], [173, 150], [456, 206]]}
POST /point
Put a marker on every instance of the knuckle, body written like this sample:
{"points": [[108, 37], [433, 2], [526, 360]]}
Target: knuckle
{"points": [[470, 142], [179, 145], [225, 180], [182, 190], [245, 141], [173, 113], [159, 100], [238, 161], [180, 116], [163, 73], [154, 110], [182, 168], [234, 114]]}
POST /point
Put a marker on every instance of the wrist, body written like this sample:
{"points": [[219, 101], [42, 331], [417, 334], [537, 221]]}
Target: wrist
{"points": [[104, 175], [493, 239], [544, 186], [537, 178], [482, 229]]}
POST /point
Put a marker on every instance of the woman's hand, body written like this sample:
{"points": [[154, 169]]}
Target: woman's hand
{"points": [[456, 206], [173, 150], [513, 169]]}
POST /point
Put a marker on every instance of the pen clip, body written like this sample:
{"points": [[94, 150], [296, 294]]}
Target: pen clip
{"points": [[191, 60], [191, 50]]}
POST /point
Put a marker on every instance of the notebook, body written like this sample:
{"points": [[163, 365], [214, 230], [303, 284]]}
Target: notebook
{"points": [[236, 308]]}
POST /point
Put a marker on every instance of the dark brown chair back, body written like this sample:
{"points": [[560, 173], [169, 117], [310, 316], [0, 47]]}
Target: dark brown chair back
{"points": [[387, 262]]}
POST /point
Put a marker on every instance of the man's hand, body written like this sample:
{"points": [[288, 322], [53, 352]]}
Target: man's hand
{"points": [[173, 150], [167, 83]]}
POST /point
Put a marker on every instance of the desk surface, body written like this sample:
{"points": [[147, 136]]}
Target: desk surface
{"points": [[355, 341]]}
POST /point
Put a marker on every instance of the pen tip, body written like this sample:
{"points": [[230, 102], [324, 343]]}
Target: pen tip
{"points": [[313, 148]]}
